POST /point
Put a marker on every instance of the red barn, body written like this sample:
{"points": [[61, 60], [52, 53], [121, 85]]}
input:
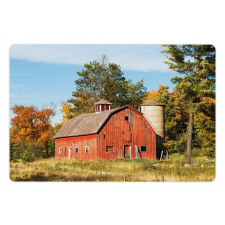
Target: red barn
{"points": [[107, 134]]}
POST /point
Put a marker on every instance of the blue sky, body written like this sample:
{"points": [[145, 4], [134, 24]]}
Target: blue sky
{"points": [[41, 74]]}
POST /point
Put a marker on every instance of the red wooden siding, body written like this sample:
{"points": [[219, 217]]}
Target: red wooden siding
{"points": [[116, 139], [124, 134], [80, 142]]}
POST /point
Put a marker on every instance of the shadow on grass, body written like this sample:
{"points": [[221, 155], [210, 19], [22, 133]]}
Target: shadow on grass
{"points": [[148, 167], [41, 176], [149, 161]]}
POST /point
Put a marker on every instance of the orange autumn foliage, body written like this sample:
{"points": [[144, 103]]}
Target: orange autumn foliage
{"points": [[151, 95], [31, 124], [208, 100]]}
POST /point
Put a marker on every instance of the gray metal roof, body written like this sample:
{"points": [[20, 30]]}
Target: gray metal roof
{"points": [[84, 124]]}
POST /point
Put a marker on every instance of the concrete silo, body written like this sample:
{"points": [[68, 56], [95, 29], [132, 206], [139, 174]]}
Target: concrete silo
{"points": [[154, 111]]}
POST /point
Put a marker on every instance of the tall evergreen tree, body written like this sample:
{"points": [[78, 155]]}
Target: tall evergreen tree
{"points": [[135, 93], [115, 86], [197, 65], [88, 87], [104, 80]]}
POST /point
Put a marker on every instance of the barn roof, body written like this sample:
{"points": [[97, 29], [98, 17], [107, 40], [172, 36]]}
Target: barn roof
{"points": [[151, 103], [103, 101], [88, 123], [84, 124]]}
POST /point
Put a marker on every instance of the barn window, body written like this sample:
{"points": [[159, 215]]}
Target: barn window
{"points": [[109, 148], [144, 148], [126, 117], [60, 151], [86, 149], [76, 150]]}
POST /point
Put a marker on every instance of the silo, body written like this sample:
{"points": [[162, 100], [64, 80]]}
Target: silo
{"points": [[154, 111]]}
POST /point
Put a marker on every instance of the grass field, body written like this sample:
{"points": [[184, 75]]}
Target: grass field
{"points": [[203, 169]]}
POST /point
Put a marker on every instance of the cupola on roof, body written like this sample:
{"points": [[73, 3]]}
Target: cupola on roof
{"points": [[103, 102]]}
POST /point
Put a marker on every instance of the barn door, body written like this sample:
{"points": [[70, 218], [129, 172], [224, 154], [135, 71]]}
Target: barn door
{"points": [[127, 151], [70, 153]]}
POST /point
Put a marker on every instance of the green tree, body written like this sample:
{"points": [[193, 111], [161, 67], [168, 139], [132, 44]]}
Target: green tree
{"points": [[104, 80], [88, 88], [135, 93], [115, 86], [205, 127], [197, 65]]}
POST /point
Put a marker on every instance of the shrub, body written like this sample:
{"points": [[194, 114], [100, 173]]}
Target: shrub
{"points": [[51, 147], [196, 152], [209, 151], [27, 151], [179, 145]]}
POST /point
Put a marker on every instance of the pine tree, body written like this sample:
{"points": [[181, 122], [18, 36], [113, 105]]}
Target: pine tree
{"points": [[115, 86], [197, 65], [88, 88], [104, 80], [135, 93]]}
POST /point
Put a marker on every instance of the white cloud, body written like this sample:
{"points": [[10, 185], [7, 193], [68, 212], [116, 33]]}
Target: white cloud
{"points": [[14, 96], [130, 57]]}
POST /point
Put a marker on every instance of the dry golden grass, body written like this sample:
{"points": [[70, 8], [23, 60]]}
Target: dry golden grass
{"points": [[172, 169]]}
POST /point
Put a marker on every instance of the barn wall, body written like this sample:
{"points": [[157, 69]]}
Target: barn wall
{"points": [[80, 142], [119, 132]]}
